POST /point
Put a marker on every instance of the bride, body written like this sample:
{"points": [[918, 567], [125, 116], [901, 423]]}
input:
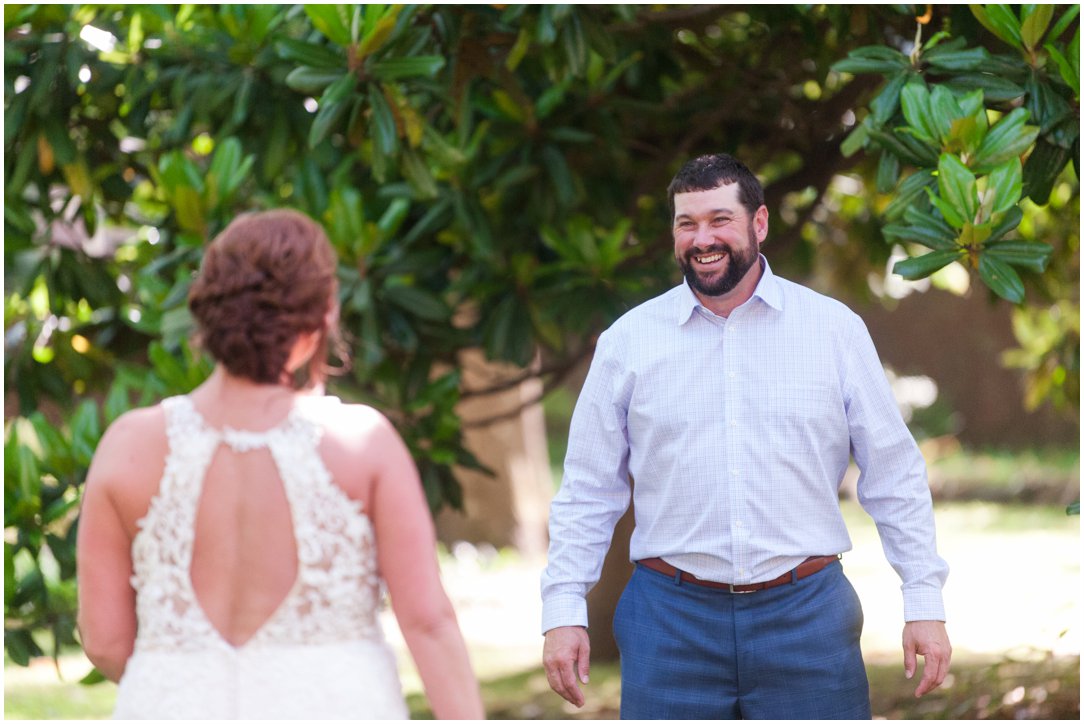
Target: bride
{"points": [[232, 541]]}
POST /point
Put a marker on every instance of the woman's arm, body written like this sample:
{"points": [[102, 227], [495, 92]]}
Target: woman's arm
{"points": [[107, 616], [406, 546]]}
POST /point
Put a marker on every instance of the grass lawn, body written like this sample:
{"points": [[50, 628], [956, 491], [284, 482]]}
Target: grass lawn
{"points": [[1013, 601]]}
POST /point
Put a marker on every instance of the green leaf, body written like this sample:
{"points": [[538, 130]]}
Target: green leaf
{"points": [[1008, 222], [1071, 11], [1068, 68], [94, 677], [1031, 255], [419, 66], [919, 235], [915, 100], [377, 33], [575, 44], [884, 106], [1044, 165], [418, 302], [333, 104], [922, 266], [9, 574], [925, 151], [508, 332], [1035, 24], [519, 50], [313, 80], [972, 104], [1009, 138], [948, 211], [909, 192], [872, 59], [310, 54], [855, 141], [944, 111], [956, 185], [393, 217], [417, 173], [1048, 108], [1003, 187], [326, 118], [332, 21], [915, 153], [566, 134], [917, 217], [116, 402], [888, 172], [1001, 278], [997, 89], [385, 137], [923, 229], [85, 432], [1000, 21], [956, 60]]}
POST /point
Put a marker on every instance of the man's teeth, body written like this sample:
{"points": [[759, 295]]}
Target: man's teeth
{"points": [[710, 258]]}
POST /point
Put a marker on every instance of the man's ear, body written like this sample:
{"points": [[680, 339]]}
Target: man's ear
{"points": [[760, 223]]}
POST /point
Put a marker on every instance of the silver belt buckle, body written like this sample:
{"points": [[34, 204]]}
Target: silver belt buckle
{"points": [[738, 592]]}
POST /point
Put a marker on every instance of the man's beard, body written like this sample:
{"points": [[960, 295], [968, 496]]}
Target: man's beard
{"points": [[738, 264]]}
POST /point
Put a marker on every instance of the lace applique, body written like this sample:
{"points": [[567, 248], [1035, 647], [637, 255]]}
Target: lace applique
{"points": [[336, 594]]}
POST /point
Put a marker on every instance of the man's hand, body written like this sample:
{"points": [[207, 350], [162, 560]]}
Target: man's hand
{"points": [[929, 640], [566, 653]]}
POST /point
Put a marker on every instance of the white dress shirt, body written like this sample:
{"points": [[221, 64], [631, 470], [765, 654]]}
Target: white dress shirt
{"points": [[737, 432]]}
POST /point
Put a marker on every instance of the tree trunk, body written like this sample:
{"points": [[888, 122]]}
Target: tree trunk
{"points": [[509, 508]]}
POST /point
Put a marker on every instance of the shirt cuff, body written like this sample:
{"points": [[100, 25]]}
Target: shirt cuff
{"points": [[923, 603], [563, 610]]}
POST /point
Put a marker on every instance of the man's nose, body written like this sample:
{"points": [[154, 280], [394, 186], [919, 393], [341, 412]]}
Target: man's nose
{"points": [[703, 238]]}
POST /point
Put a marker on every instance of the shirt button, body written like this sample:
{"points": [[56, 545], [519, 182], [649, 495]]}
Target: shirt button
{"points": [[741, 571], [738, 523], [731, 375], [734, 471], [733, 423]]}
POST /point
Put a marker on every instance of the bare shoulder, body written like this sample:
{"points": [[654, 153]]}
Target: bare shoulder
{"points": [[358, 426], [357, 444], [129, 462], [134, 439]]}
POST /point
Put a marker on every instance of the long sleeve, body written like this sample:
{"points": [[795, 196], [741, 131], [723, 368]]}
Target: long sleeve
{"points": [[893, 486], [594, 491]]}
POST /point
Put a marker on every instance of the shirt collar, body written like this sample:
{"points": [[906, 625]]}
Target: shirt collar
{"points": [[767, 290]]}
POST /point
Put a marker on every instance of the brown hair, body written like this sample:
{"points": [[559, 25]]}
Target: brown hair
{"points": [[705, 173], [266, 279]]}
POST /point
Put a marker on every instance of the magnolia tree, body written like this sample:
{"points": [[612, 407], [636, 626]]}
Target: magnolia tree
{"points": [[491, 178]]}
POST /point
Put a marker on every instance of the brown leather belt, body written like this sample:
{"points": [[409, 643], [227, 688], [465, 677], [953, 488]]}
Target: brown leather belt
{"points": [[808, 567]]}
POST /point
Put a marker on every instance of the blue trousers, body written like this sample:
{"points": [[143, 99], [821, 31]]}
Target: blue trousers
{"points": [[790, 652]]}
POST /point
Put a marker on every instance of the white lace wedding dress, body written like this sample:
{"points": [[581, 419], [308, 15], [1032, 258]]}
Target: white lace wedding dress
{"points": [[321, 654]]}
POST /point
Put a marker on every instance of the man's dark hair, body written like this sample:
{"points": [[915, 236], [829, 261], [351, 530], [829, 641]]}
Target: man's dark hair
{"points": [[712, 171]]}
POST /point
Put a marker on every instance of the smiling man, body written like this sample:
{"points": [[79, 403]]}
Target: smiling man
{"points": [[735, 401]]}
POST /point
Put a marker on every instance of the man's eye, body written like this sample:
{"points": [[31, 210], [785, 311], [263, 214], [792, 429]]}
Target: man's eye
{"points": [[720, 220]]}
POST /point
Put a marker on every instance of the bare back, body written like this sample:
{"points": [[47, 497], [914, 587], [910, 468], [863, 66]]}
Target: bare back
{"points": [[244, 559], [244, 546]]}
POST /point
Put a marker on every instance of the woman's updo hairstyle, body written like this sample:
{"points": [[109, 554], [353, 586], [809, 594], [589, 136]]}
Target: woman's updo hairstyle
{"points": [[266, 279]]}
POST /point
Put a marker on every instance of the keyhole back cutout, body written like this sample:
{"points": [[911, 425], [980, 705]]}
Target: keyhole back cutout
{"points": [[244, 553]]}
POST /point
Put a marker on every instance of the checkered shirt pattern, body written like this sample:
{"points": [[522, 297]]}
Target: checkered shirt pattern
{"points": [[736, 433]]}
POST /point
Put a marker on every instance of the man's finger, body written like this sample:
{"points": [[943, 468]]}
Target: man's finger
{"points": [[584, 661], [934, 669], [568, 682], [909, 660]]}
